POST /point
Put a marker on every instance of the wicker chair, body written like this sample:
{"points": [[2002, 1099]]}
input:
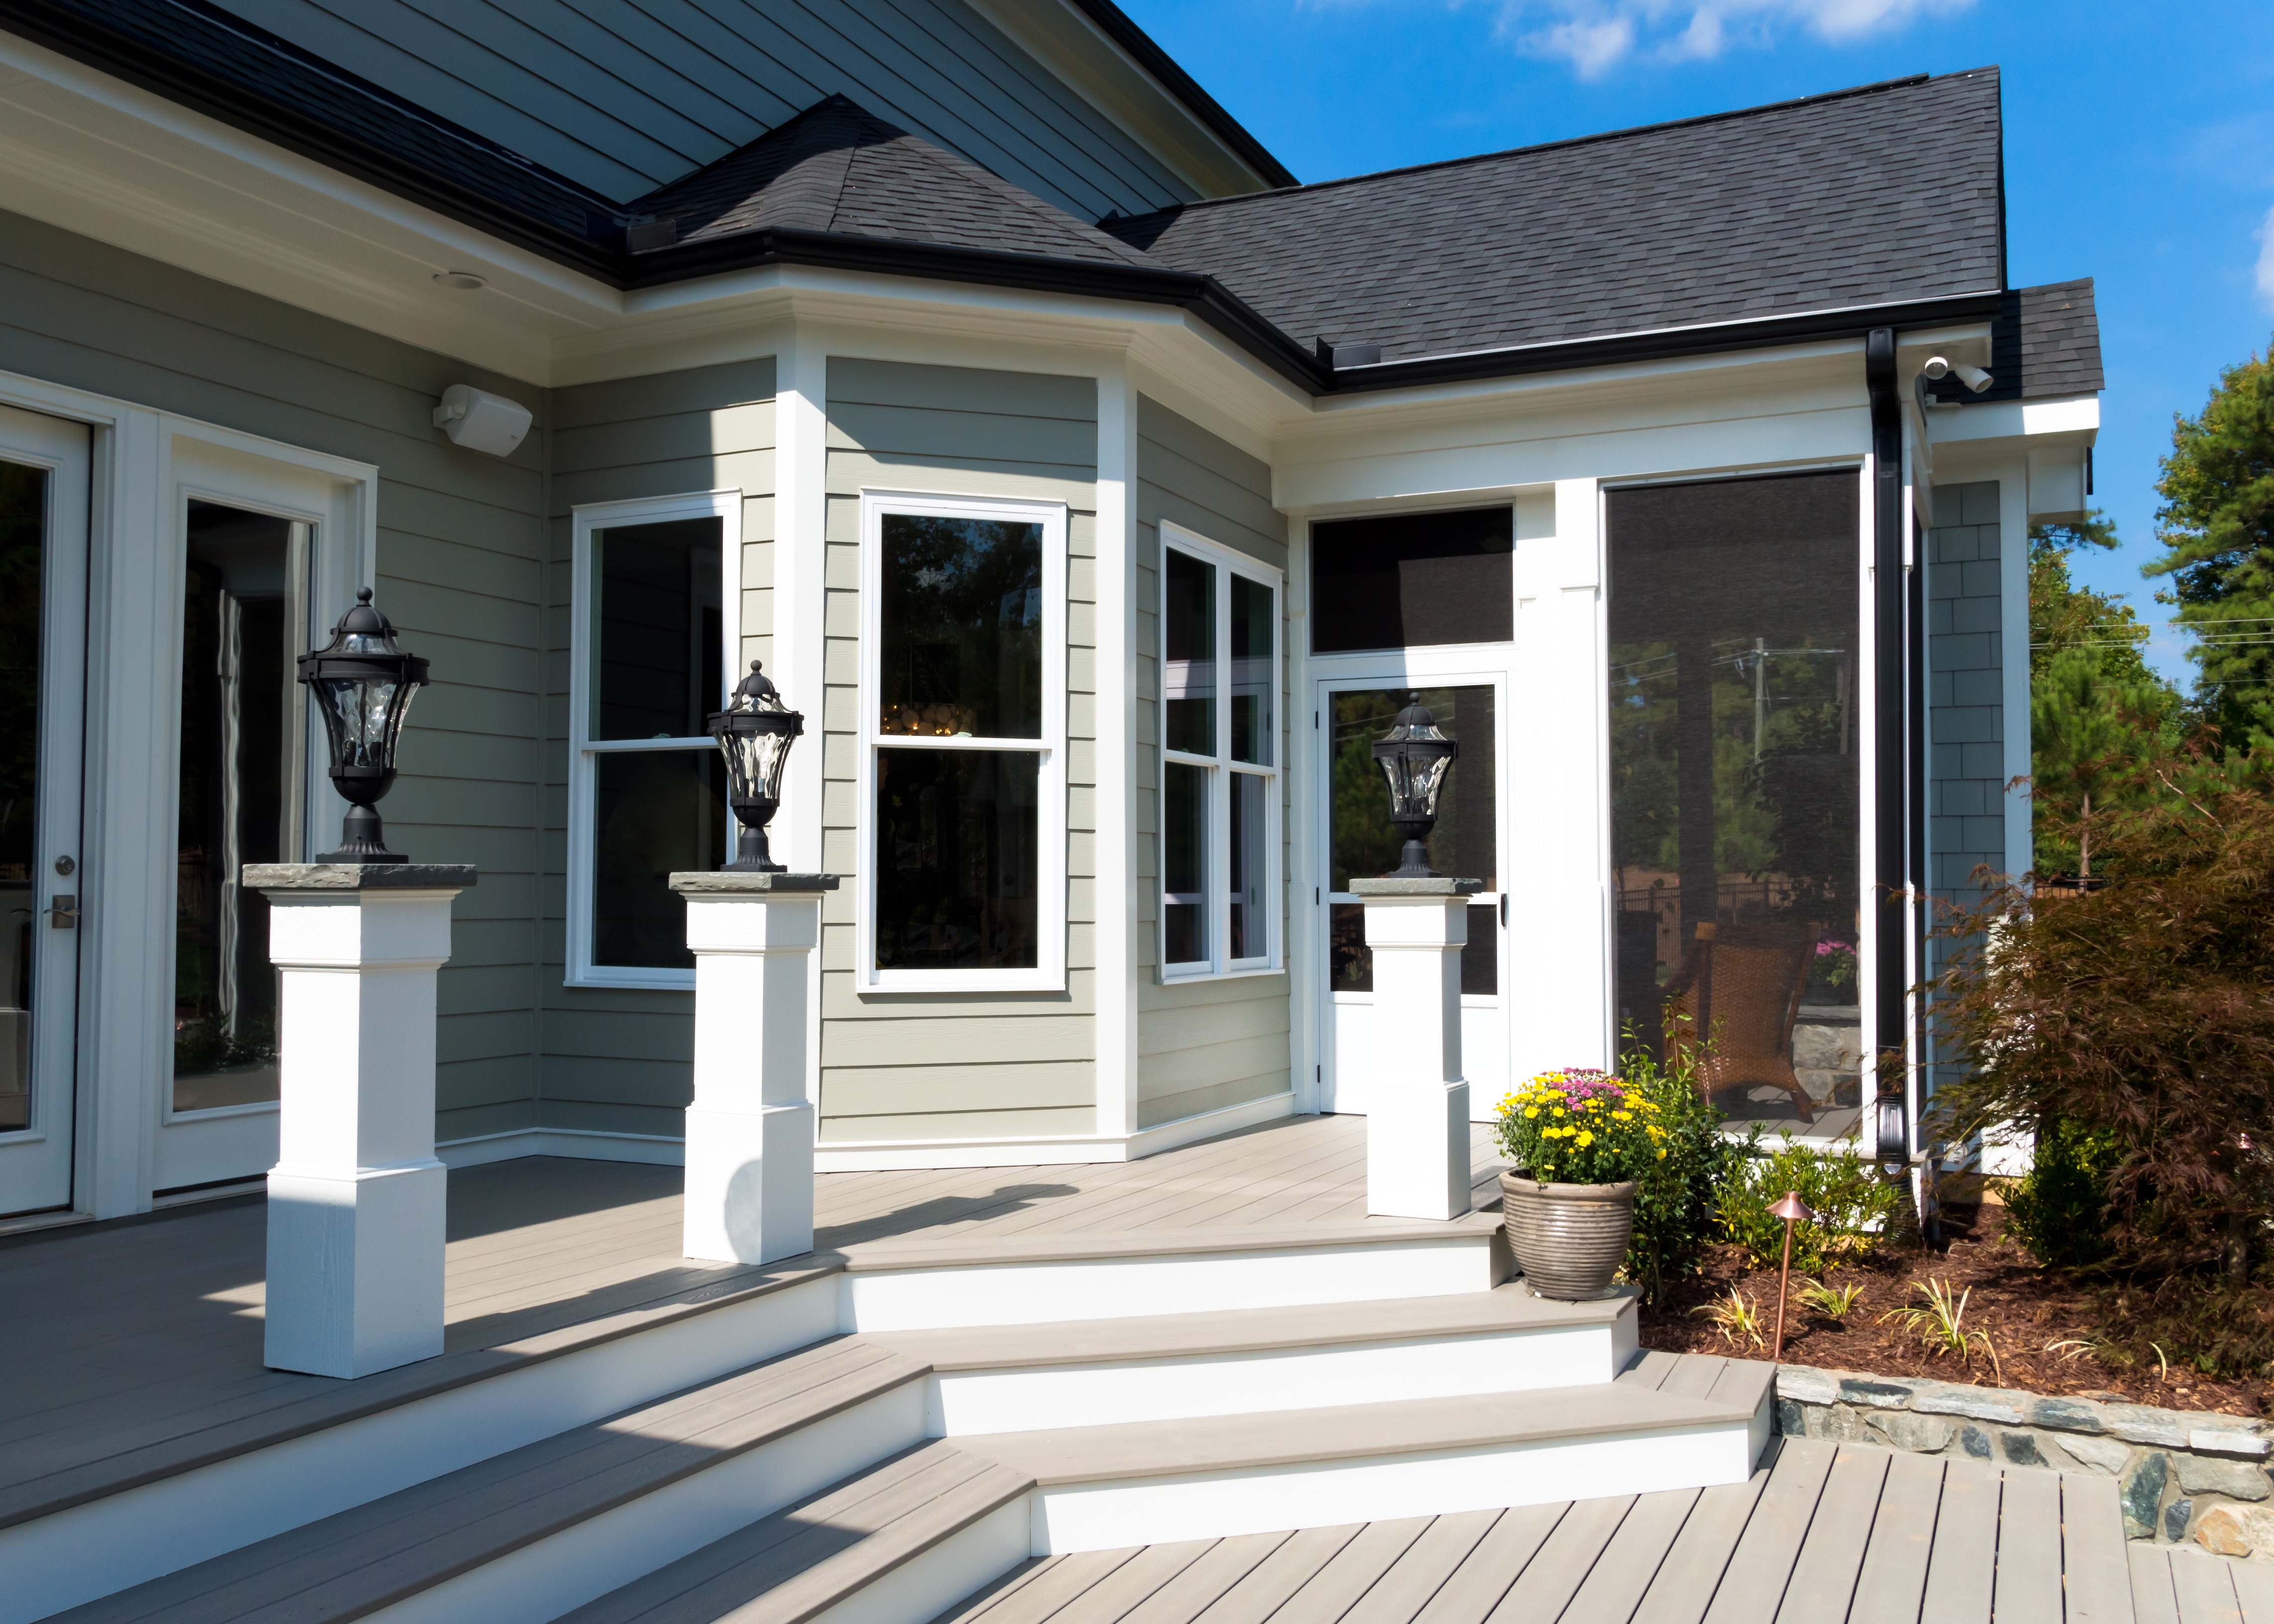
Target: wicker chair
{"points": [[1741, 998]]}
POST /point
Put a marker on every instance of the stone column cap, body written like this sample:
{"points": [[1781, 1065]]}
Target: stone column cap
{"points": [[323, 877], [745, 881], [1412, 886]]}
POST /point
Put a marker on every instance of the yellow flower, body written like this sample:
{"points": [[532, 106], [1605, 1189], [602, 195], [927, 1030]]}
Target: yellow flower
{"points": [[1623, 1115], [1531, 1110], [1586, 1139], [1661, 1155]]}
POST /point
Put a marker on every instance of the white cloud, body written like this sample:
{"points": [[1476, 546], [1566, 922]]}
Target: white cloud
{"points": [[1595, 36], [2266, 259]]}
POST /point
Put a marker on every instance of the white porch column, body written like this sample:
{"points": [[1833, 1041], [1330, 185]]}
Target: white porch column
{"points": [[750, 1130], [356, 1200], [1416, 1127]]}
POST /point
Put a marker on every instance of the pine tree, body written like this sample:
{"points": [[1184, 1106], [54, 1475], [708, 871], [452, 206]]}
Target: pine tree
{"points": [[2217, 525], [2095, 709]]}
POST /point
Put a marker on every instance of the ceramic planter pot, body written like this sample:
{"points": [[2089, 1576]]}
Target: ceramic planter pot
{"points": [[1568, 1239]]}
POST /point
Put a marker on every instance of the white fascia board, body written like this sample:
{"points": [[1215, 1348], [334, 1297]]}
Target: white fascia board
{"points": [[2072, 419], [1109, 79], [1802, 407]]}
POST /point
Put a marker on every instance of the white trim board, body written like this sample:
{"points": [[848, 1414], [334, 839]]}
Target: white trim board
{"points": [[1047, 1150], [576, 1144], [877, 1155]]}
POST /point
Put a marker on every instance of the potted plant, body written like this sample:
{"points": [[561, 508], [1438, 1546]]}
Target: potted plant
{"points": [[1579, 1140]]}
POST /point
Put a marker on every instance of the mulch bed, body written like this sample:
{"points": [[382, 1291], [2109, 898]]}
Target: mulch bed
{"points": [[2022, 1305]]}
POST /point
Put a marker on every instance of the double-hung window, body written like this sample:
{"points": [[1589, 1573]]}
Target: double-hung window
{"points": [[962, 766], [1220, 848], [647, 786]]}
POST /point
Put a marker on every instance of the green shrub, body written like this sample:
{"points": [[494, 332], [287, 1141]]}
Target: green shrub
{"points": [[1674, 1198], [2059, 1210], [1858, 1210]]}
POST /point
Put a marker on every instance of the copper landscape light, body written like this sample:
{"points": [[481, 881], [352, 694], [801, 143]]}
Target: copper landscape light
{"points": [[1789, 1209]]}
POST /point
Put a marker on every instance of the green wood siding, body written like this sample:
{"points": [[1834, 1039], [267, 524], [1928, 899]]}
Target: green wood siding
{"points": [[1201, 1045], [1019, 1064], [615, 1060], [461, 567]]}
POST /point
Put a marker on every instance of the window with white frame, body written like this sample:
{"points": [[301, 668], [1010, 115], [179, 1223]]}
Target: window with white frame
{"points": [[1220, 910], [962, 769], [647, 786]]}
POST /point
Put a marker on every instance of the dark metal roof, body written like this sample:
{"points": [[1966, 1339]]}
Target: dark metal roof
{"points": [[1890, 194], [2045, 341], [838, 170]]}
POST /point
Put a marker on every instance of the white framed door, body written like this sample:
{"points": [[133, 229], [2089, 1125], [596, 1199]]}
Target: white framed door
{"points": [[44, 468], [1354, 699], [264, 556]]}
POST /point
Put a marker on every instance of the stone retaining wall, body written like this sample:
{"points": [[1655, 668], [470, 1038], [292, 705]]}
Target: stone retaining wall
{"points": [[2181, 1474]]}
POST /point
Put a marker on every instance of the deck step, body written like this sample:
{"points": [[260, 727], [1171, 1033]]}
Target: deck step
{"points": [[1671, 1421], [530, 1534], [1022, 1378], [932, 1525], [1020, 1279]]}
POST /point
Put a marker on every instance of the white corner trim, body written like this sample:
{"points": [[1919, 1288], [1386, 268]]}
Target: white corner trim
{"points": [[579, 1144], [1047, 1150]]}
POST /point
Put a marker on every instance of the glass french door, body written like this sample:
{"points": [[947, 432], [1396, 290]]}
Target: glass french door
{"points": [[1352, 710], [43, 539]]}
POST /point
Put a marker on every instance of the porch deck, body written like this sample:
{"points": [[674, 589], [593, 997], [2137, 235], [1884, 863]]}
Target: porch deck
{"points": [[134, 1352], [1825, 1534]]}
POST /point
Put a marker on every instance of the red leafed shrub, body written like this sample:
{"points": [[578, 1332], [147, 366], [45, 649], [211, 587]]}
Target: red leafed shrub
{"points": [[2140, 1014]]}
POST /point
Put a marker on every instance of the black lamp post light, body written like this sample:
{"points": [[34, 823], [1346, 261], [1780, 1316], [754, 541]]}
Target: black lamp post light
{"points": [[754, 734], [1416, 755], [362, 683]]}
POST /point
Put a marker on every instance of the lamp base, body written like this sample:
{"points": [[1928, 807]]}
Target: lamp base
{"points": [[360, 840], [751, 853]]}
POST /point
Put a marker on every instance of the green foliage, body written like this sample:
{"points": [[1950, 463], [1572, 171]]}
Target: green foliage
{"points": [[1674, 1198], [2139, 1016], [1832, 1303], [2095, 709], [2058, 1210], [2216, 526], [1856, 1209], [1736, 1317]]}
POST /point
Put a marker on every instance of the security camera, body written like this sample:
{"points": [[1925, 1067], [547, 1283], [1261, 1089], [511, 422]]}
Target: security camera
{"points": [[480, 421], [1973, 377]]}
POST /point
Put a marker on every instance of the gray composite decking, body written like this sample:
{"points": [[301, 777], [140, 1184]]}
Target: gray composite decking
{"points": [[1827, 1534], [134, 1352]]}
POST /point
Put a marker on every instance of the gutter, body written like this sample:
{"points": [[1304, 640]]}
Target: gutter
{"points": [[1890, 911]]}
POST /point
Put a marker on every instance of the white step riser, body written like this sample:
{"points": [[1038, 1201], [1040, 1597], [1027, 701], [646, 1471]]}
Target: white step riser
{"points": [[1212, 1506], [111, 1544], [966, 1403], [923, 1587], [541, 1582], [1128, 1288]]}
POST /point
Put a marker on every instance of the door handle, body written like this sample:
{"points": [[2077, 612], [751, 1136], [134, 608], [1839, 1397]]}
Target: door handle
{"points": [[63, 913]]}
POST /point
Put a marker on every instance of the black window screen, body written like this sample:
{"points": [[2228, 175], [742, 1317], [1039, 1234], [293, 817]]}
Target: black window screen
{"points": [[1412, 579], [1735, 761]]}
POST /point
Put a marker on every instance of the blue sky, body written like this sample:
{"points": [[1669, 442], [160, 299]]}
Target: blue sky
{"points": [[2139, 142]]}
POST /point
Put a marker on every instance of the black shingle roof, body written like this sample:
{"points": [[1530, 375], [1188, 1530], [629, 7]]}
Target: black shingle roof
{"points": [[837, 170], [2045, 341], [1888, 194]]}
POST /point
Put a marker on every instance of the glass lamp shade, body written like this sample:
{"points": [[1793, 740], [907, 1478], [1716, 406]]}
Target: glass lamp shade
{"points": [[754, 734], [1415, 756], [362, 684]]}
